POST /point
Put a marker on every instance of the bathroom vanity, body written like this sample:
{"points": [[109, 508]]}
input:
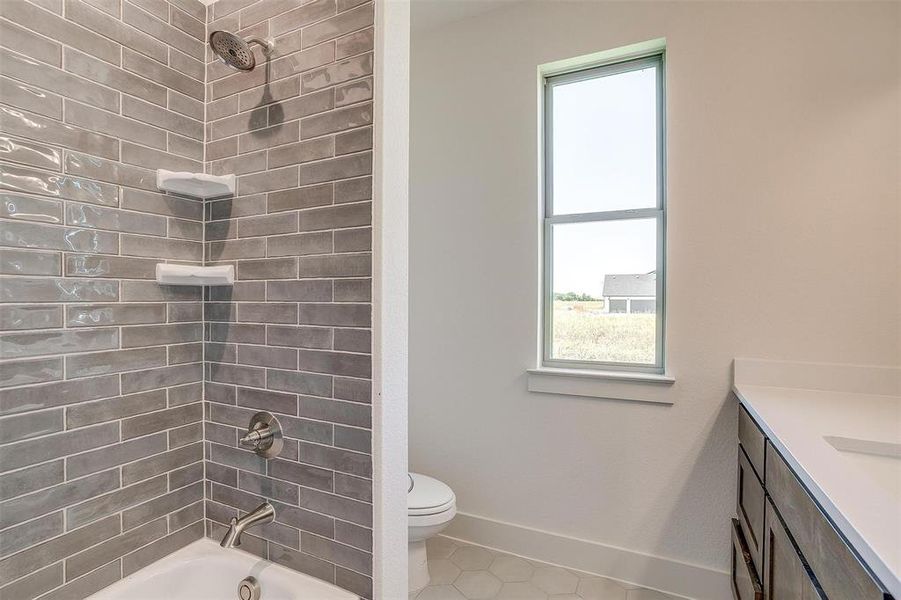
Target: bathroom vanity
{"points": [[818, 511]]}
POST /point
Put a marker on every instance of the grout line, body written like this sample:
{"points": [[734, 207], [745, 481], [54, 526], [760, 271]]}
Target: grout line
{"points": [[205, 380], [205, 291]]}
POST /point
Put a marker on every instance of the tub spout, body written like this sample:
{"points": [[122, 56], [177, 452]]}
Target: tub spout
{"points": [[262, 514]]}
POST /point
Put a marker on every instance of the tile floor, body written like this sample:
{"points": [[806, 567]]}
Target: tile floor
{"points": [[464, 572]]}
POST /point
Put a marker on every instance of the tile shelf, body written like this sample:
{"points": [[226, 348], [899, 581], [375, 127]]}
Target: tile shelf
{"points": [[202, 187], [196, 185], [167, 274]]}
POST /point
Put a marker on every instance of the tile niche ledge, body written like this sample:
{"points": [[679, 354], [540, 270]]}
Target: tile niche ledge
{"points": [[614, 385]]}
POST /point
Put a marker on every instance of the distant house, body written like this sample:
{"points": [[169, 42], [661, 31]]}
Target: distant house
{"points": [[630, 293]]}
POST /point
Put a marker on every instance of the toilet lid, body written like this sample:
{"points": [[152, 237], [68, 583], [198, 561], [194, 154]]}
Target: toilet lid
{"points": [[427, 495]]}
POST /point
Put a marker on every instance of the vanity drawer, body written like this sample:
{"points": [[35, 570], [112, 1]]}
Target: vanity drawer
{"points": [[838, 570], [785, 577], [745, 582], [753, 441], [751, 502]]}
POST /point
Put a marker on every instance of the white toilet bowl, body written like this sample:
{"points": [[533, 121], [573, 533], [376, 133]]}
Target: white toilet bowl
{"points": [[431, 505]]}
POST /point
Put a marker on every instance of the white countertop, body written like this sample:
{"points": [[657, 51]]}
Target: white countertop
{"points": [[860, 491]]}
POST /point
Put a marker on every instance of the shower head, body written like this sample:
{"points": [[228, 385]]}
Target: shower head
{"points": [[235, 52]]}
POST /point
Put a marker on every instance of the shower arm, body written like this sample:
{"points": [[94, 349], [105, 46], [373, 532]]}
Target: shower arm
{"points": [[268, 44]]}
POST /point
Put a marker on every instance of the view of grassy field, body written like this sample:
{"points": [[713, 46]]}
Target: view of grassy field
{"points": [[583, 331]]}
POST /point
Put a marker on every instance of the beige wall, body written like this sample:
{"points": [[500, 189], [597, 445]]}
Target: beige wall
{"points": [[783, 165]]}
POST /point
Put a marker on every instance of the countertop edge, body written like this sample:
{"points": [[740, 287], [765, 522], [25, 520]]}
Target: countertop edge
{"points": [[873, 561]]}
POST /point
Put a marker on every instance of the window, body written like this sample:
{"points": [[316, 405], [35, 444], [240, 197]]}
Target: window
{"points": [[604, 219]]}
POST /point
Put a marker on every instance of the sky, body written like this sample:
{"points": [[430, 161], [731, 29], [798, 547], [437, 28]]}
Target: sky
{"points": [[604, 153]]}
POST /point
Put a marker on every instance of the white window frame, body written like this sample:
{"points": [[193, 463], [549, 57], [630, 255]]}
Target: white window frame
{"points": [[658, 213]]}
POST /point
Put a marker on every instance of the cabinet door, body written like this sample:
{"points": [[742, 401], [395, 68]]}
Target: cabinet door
{"points": [[745, 582], [785, 576], [838, 570], [751, 506], [753, 441]]}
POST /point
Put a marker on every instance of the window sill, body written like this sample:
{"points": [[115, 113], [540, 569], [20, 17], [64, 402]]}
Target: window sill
{"points": [[615, 385]]}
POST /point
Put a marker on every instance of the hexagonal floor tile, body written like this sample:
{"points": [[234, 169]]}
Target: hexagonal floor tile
{"points": [[472, 558], [554, 580], [598, 588], [440, 547], [443, 571], [467, 572], [511, 568], [520, 591], [478, 585], [440, 592]]}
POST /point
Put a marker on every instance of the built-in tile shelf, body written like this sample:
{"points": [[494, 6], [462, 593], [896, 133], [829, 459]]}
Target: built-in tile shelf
{"points": [[196, 185], [194, 275]]}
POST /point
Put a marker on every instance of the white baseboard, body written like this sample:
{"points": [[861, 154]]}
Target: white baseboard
{"points": [[644, 570]]}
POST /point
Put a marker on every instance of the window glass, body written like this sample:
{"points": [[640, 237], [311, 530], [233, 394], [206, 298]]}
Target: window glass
{"points": [[604, 291], [604, 143]]}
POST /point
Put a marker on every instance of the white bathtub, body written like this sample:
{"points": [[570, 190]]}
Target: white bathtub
{"points": [[204, 571]]}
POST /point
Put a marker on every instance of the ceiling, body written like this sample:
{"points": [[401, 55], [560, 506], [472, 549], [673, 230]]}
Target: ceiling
{"points": [[431, 14]]}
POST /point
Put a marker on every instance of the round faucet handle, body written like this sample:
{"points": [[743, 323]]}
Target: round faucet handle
{"points": [[264, 436]]}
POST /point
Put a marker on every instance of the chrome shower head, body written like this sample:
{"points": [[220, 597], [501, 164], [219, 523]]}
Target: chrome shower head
{"points": [[235, 52]]}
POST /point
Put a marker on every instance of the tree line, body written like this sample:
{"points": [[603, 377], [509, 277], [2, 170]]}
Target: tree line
{"points": [[574, 297]]}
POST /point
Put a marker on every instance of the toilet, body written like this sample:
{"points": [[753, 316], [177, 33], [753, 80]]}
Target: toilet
{"points": [[431, 505]]}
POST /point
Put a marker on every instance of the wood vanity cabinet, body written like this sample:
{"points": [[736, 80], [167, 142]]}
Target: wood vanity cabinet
{"points": [[784, 571], [748, 528], [745, 582], [783, 546], [750, 508]]}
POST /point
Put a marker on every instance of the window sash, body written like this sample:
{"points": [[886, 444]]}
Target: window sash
{"points": [[655, 60], [550, 219], [548, 298]]}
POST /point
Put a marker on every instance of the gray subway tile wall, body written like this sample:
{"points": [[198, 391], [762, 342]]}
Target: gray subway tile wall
{"points": [[293, 336], [115, 451], [101, 370]]}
